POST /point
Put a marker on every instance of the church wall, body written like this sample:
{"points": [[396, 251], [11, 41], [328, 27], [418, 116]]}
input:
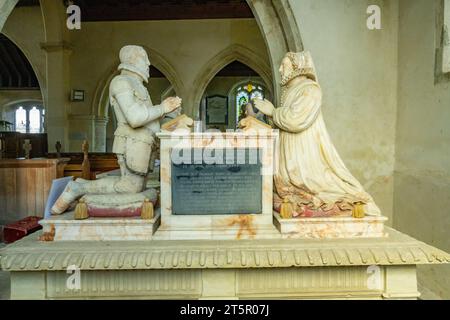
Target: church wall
{"points": [[357, 72], [422, 176], [156, 88]]}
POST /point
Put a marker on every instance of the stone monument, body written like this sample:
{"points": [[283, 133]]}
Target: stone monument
{"points": [[135, 144], [138, 121], [217, 190], [217, 185], [312, 185]]}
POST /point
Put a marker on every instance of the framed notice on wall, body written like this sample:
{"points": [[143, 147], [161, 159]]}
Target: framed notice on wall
{"points": [[217, 110]]}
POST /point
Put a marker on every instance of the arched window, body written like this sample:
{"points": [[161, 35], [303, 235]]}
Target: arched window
{"points": [[244, 95], [21, 119], [29, 118]]}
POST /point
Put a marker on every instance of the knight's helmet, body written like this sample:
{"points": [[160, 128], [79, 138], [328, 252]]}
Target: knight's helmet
{"points": [[135, 59]]}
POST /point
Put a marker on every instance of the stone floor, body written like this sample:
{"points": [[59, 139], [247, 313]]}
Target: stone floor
{"points": [[4, 282]]}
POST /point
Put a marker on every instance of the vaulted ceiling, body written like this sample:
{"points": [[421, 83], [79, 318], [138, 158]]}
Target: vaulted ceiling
{"points": [[125, 10], [15, 70]]}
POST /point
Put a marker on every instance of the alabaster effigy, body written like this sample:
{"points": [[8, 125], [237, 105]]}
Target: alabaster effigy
{"points": [[138, 120], [269, 211]]}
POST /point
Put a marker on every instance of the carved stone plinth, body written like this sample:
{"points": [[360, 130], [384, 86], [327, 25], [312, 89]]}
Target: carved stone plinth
{"points": [[331, 228], [217, 223], [66, 228], [382, 268]]}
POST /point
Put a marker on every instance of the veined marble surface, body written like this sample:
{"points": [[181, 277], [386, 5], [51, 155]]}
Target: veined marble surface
{"points": [[232, 226], [331, 228], [66, 228]]}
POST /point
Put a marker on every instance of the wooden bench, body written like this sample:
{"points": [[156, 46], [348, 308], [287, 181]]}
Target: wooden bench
{"points": [[87, 165]]}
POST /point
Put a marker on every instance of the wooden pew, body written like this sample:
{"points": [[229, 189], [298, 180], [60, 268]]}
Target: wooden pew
{"points": [[87, 165], [24, 186]]}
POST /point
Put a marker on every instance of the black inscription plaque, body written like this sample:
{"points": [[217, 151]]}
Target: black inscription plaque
{"points": [[231, 186]]}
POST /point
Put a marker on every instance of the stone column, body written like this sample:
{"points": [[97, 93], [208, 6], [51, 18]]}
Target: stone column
{"points": [[6, 7], [400, 282], [100, 134], [82, 127], [57, 94]]}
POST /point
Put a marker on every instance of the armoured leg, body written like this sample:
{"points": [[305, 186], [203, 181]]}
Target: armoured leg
{"points": [[126, 183], [78, 188]]}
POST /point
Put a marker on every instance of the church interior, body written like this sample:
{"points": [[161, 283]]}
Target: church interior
{"points": [[386, 92]]}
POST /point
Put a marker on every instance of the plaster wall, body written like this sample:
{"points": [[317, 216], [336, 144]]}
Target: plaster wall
{"points": [[422, 170]]}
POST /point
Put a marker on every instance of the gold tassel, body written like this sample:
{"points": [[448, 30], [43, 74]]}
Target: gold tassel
{"points": [[81, 210], [358, 210], [147, 211], [286, 210]]}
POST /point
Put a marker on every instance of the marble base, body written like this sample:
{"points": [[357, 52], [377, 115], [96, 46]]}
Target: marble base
{"points": [[330, 228], [372, 268], [237, 229], [66, 228], [218, 226]]}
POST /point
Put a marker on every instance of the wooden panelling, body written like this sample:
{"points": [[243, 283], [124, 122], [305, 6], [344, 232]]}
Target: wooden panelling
{"points": [[13, 144], [98, 163], [24, 186]]}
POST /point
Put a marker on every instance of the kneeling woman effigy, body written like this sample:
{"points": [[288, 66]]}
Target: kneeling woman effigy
{"points": [[312, 180]]}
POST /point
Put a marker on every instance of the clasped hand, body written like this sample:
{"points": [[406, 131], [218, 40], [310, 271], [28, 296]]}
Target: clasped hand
{"points": [[171, 104], [265, 106]]}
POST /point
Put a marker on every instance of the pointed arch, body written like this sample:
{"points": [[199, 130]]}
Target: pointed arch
{"points": [[280, 31], [221, 60], [6, 6], [29, 60]]}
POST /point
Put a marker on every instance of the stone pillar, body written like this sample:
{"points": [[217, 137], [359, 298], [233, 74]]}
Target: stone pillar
{"points": [[28, 286], [6, 6], [218, 284], [100, 135], [82, 127], [401, 282], [446, 39], [57, 94]]}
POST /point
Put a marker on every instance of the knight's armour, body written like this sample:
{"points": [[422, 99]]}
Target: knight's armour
{"points": [[137, 122], [134, 139]]}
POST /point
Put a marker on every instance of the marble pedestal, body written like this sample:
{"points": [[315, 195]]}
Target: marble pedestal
{"points": [[331, 228], [383, 268], [65, 228], [254, 225]]}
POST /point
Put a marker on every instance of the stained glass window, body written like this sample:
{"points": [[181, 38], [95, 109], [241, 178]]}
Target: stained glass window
{"points": [[244, 95]]}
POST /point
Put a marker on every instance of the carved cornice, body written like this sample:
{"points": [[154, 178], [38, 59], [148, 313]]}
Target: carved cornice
{"points": [[398, 249]]}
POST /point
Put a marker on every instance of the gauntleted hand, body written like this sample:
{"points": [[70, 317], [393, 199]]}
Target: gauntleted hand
{"points": [[170, 104], [265, 106]]}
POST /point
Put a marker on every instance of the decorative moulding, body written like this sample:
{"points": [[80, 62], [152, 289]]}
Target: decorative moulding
{"points": [[398, 249]]}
